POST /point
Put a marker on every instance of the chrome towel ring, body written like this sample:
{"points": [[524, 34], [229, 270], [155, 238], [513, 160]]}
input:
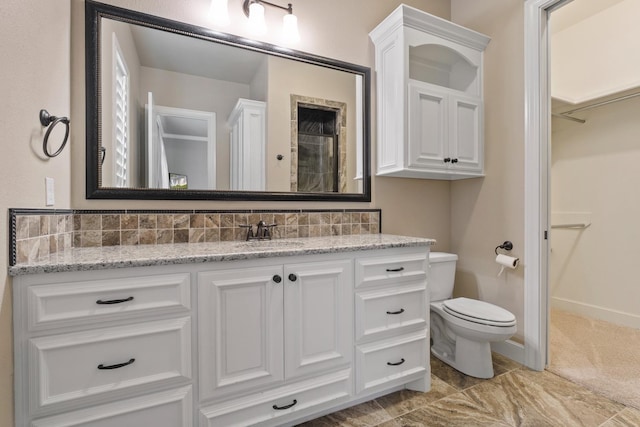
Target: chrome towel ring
{"points": [[51, 121]]}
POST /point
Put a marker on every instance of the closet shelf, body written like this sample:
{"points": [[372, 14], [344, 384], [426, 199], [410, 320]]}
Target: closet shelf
{"points": [[567, 114]]}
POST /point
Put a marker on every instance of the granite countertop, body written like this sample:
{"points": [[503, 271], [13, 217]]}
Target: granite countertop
{"points": [[83, 259]]}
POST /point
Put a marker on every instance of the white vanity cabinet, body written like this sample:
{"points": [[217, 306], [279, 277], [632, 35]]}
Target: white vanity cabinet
{"points": [[271, 326], [117, 342], [266, 341], [392, 321], [430, 101]]}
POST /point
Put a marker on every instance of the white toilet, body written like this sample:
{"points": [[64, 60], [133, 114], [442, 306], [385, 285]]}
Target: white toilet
{"points": [[462, 328]]}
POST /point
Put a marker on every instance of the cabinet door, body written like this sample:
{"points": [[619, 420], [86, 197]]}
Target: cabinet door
{"points": [[466, 133], [318, 316], [240, 328], [428, 131]]}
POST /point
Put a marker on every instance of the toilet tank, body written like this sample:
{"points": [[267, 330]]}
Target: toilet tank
{"points": [[442, 274]]}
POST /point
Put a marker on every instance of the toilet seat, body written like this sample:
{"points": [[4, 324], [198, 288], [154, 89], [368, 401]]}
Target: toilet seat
{"points": [[479, 312]]}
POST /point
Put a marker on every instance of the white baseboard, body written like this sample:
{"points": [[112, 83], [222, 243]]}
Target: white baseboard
{"points": [[597, 312], [511, 349]]}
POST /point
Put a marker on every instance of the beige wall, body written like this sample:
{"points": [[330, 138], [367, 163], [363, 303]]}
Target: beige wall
{"points": [[594, 177], [35, 74], [38, 65], [485, 212]]}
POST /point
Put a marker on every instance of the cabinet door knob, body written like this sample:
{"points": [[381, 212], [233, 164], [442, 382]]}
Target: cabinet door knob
{"points": [[119, 365], [114, 301], [277, 278], [396, 363], [447, 159], [293, 277], [280, 408], [454, 160]]}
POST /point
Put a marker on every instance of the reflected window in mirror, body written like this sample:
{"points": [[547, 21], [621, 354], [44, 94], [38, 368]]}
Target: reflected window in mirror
{"points": [[120, 106]]}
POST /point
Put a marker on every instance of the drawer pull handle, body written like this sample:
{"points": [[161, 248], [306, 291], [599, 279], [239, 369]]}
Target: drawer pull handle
{"points": [[397, 363], [280, 408], [395, 270], [119, 365], [114, 301], [396, 312]]}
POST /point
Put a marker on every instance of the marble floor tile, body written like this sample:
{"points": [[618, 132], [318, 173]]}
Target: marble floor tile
{"points": [[457, 410], [457, 379], [403, 401], [526, 398], [628, 417], [514, 397], [504, 362], [364, 415]]}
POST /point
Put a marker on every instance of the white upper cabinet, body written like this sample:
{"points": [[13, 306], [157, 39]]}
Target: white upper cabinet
{"points": [[429, 97]]}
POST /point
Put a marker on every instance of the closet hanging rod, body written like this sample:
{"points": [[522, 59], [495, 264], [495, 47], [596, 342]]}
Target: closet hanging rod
{"points": [[601, 103], [580, 225], [573, 119]]}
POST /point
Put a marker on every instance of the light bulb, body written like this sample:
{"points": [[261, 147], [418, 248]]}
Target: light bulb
{"points": [[290, 32], [219, 12], [257, 24]]}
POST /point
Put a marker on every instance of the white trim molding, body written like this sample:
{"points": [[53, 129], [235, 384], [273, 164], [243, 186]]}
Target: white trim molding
{"points": [[536, 218]]}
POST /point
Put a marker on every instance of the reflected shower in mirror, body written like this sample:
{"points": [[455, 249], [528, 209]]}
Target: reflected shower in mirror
{"points": [[187, 113]]}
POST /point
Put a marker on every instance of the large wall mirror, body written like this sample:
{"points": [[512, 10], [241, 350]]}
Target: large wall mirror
{"points": [[176, 111]]}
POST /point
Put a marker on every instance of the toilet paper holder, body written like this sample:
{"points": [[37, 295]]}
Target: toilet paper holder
{"points": [[506, 246]]}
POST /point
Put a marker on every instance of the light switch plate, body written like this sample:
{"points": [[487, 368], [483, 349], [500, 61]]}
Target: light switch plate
{"points": [[50, 194]]}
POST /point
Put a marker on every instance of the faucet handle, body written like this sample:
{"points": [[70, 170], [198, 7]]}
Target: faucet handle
{"points": [[249, 228]]}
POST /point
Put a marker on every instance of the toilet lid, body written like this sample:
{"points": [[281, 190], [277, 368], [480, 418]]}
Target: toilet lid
{"points": [[479, 312]]}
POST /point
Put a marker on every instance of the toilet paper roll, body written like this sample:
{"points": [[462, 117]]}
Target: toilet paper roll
{"points": [[506, 261]]}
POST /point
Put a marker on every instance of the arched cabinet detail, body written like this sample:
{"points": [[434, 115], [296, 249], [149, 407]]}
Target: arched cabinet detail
{"points": [[429, 97]]}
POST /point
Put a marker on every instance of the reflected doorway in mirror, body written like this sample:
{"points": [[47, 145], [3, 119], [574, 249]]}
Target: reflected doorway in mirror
{"points": [[319, 146]]}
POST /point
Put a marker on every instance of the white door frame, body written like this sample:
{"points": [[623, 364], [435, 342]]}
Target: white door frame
{"points": [[537, 169]]}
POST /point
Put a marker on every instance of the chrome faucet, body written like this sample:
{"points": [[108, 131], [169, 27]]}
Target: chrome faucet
{"points": [[263, 231]]}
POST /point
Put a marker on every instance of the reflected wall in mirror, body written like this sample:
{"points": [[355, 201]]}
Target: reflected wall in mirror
{"points": [[219, 115]]}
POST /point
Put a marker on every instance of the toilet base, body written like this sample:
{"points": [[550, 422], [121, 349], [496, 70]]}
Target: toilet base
{"points": [[472, 358]]}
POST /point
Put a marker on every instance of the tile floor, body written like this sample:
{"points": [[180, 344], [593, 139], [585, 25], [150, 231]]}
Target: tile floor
{"points": [[516, 396]]}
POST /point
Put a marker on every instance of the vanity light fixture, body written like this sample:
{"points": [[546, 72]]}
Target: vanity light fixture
{"points": [[219, 12], [254, 10]]}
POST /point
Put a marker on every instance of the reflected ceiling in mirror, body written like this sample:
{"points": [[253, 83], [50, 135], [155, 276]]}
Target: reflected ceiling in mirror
{"points": [[176, 111]]}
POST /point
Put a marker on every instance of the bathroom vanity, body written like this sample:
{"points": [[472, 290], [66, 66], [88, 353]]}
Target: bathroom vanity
{"points": [[219, 334]]}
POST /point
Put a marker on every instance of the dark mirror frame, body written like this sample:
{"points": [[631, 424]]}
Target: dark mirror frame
{"points": [[94, 12]]}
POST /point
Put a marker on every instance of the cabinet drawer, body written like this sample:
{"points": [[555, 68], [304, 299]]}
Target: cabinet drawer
{"points": [[171, 408], [391, 269], [69, 303], [309, 396], [389, 310], [77, 365], [391, 361]]}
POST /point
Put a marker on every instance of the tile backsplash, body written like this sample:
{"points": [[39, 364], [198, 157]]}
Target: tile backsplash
{"points": [[35, 232]]}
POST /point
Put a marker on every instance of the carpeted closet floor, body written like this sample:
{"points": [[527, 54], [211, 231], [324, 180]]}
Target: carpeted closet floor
{"points": [[601, 356]]}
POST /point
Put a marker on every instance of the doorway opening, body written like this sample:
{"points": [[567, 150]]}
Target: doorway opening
{"points": [[576, 197], [318, 145], [318, 149]]}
